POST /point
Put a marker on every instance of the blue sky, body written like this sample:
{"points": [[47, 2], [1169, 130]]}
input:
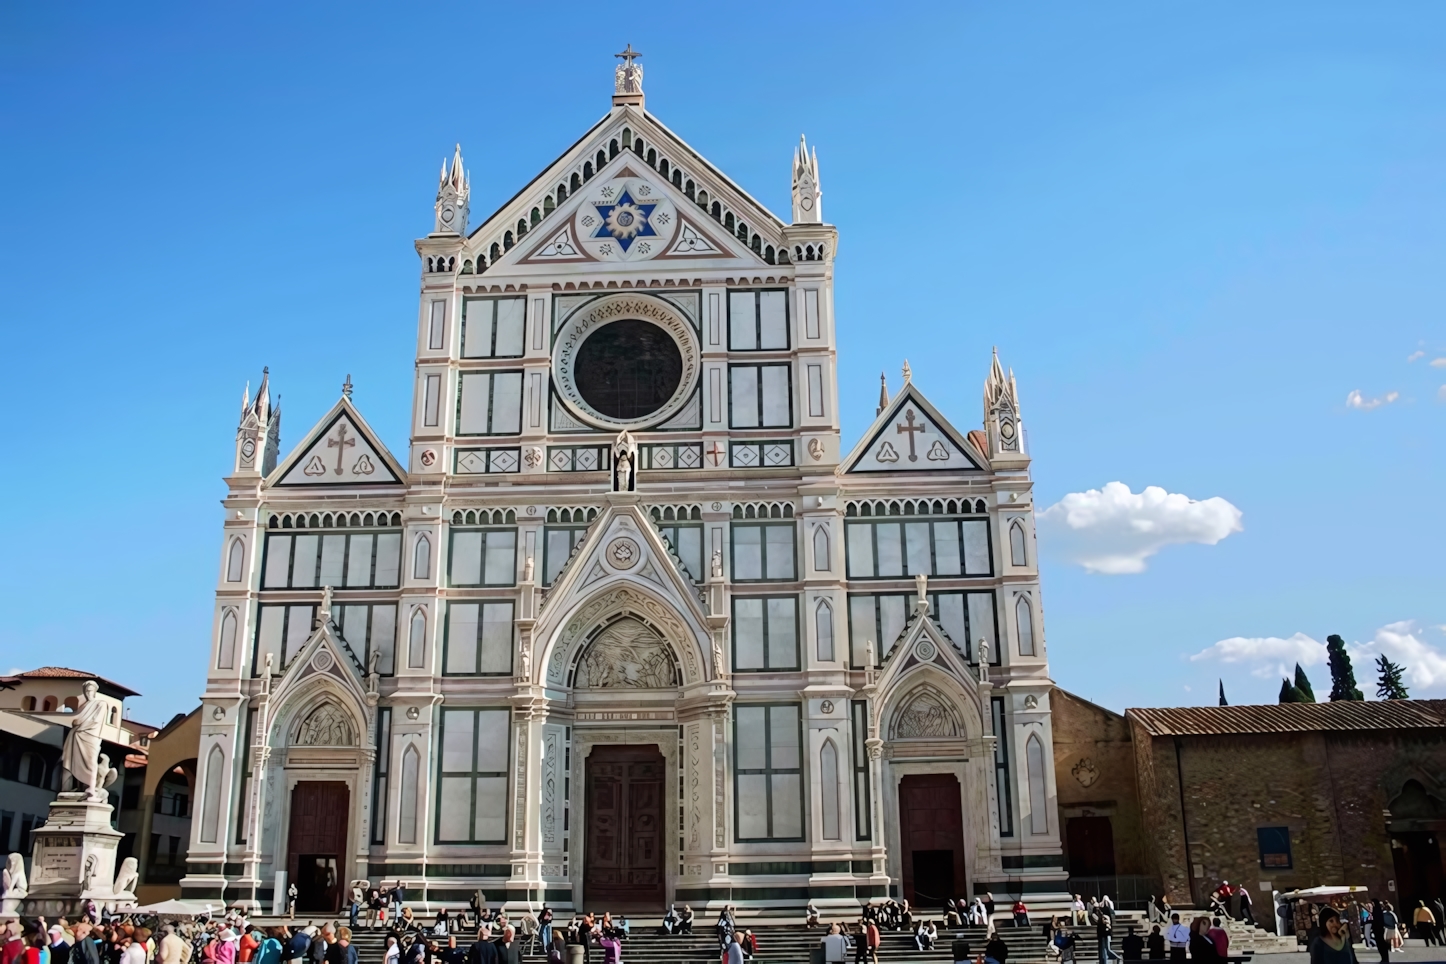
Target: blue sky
{"points": [[1192, 231]]}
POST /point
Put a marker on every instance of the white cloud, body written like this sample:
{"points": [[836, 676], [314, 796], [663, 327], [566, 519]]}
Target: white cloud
{"points": [[1425, 664], [1438, 363], [1415, 355], [1113, 530], [1356, 400], [1441, 393], [1268, 657]]}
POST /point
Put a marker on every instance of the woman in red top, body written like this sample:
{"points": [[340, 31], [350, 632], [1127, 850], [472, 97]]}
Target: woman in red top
{"points": [[247, 947]]}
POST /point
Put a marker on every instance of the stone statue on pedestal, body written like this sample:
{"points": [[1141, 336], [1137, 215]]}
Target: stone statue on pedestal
{"points": [[13, 887], [80, 756]]}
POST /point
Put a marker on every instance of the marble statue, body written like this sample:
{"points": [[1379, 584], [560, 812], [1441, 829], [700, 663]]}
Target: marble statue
{"points": [[718, 669], [625, 472], [625, 460], [124, 888], [80, 755], [716, 566], [527, 570], [983, 647], [13, 886]]}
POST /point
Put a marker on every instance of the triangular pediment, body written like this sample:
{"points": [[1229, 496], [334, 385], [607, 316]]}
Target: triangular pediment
{"points": [[324, 656], [923, 645], [626, 214], [555, 235], [341, 450], [910, 435]]}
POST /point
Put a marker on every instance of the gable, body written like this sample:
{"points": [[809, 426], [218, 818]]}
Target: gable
{"points": [[341, 450], [911, 436], [625, 137], [626, 214]]}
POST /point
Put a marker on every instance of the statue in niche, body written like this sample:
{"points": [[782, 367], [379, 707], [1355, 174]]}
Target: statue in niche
{"points": [[926, 716], [326, 726], [625, 458], [627, 655]]}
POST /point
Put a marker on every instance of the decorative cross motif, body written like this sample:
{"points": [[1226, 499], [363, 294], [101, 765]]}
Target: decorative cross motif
{"points": [[629, 55], [341, 443], [910, 429], [716, 453]]}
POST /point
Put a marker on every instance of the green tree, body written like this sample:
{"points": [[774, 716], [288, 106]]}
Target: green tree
{"points": [[1223, 700], [1303, 684], [1290, 694], [1343, 676], [1389, 685]]}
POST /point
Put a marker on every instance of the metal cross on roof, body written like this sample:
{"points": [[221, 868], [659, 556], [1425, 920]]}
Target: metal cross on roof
{"points": [[629, 55]]}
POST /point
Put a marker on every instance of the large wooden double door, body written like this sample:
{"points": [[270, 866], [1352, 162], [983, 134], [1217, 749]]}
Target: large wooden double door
{"points": [[931, 838], [623, 863], [316, 844]]}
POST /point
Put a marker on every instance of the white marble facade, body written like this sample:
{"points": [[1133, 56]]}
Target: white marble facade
{"points": [[446, 638]]}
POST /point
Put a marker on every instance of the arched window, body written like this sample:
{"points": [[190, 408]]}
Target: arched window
{"points": [[417, 639], [114, 713], [1016, 545], [407, 805], [821, 561], [823, 629], [1024, 624], [234, 557], [828, 788], [211, 795], [28, 704], [70, 705], [226, 648], [48, 706], [422, 558], [1034, 760]]}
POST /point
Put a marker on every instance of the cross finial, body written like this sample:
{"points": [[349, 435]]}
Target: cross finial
{"points": [[629, 55], [346, 386]]}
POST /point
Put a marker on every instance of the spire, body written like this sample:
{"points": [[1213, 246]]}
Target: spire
{"points": [[883, 394], [628, 79], [258, 434], [453, 189], [807, 196], [346, 386], [262, 406], [246, 398], [1001, 410]]}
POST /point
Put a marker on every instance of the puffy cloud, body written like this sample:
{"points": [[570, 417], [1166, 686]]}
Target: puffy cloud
{"points": [[1113, 530], [1441, 393], [1401, 642], [1438, 363], [1415, 356], [1358, 401], [1267, 657]]}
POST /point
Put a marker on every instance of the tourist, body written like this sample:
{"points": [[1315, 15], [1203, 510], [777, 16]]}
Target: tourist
{"points": [[873, 939], [1156, 943], [509, 948], [953, 916], [988, 907], [452, 954], [1020, 913], [1152, 911], [482, 951], [733, 951], [749, 944], [1219, 937], [557, 951], [297, 947], [399, 897], [685, 923], [1393, 925], [1423, 922], [1202, 948], [527, 929], [246, 947], [544, 925], [1065, 941], [270, 950], [1179, 937], [439, 926], [1132, 947], [996, 951], [810, 916], [321, 943], [835, 946], [1104, 925], [724, 927], [393, 953], [1049, 927], [291, 902], [670, 920], [57, 945], [978, 913], [959, 949], [1078, 908], [925, 935], [341, 952], [1247, 910], [1332, 945], [225, 949]]}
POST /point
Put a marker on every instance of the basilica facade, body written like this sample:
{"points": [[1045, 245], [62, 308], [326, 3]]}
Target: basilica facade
{"points": [[627, 624]]}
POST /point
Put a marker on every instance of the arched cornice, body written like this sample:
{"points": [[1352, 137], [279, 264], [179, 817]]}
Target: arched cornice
{"points": [[564, 643]]}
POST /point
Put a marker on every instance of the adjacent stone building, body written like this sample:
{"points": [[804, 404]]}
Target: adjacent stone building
{"points": [[627, 623]]}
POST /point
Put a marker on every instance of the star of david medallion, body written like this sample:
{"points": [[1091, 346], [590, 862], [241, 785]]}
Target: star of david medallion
{"points": [[617, 216]]}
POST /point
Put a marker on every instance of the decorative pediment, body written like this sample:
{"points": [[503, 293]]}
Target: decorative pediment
{"points": [[910, 435], [626, 214], [924, 646], [623, 568], [325, 660], [341, 450], [705, 212]]}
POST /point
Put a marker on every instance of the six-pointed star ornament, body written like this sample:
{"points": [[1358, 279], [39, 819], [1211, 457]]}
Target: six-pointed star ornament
{"points": [[625, 221]]}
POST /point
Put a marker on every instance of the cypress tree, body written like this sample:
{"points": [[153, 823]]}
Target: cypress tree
{"points": [[1289, 694], [1303, 685], [1343, 676], [1389, 685]]}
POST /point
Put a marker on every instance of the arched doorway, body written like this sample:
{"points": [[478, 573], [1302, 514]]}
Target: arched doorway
{"points": [[625, 843]]}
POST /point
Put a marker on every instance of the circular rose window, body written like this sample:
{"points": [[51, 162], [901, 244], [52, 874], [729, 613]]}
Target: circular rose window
{"points": [[626, 361]]}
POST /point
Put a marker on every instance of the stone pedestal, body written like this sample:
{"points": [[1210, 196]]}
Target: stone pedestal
{"points": [[72, 858]]}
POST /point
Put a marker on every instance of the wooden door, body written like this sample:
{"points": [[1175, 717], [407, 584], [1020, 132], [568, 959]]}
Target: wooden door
{"points": [[1090, 845], [316, 844], [624, 819], [931, 837]]}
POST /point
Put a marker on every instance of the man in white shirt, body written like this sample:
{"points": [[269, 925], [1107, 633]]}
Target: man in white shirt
{"points": [[1178, 936], [835, 946]]}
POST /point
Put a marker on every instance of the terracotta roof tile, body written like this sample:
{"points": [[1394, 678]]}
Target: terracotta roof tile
{"points": [[1290, 717], [65, 672]]}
